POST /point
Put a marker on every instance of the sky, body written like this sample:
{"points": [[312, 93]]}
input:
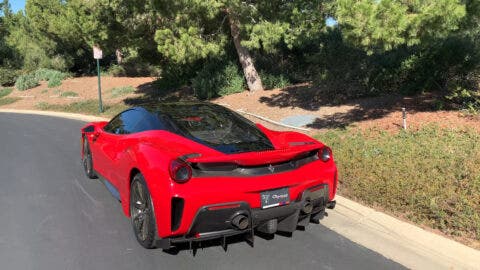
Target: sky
{"points": [[17, 5], [331, 21]]}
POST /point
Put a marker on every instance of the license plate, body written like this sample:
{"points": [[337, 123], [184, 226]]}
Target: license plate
{"points": [[276, 197]]}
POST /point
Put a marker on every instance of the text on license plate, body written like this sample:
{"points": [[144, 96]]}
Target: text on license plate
{"points": [[276, 197]]}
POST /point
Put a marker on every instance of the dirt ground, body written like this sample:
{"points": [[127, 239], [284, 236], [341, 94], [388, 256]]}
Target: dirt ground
{"points": [[383, 113], [378, 112], [85, 87]]}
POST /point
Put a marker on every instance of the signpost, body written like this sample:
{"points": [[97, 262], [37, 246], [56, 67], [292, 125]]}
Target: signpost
{"points": [[98, 54]]}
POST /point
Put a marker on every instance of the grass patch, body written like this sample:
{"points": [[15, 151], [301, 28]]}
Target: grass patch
{"points": [[121, 91], [69, 94], [8, 100], [430, 176], [44, 91], [83, 107], [5, 92]]}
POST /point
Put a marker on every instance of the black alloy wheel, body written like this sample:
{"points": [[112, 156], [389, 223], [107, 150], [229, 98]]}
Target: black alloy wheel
{"points": [[141, 212], [87, 160]]}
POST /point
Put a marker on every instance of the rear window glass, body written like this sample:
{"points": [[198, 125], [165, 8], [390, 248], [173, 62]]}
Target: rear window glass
{"points": [[214, 126]]}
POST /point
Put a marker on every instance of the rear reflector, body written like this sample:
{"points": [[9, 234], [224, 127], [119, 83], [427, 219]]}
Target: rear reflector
{"points": [[227, 206]]}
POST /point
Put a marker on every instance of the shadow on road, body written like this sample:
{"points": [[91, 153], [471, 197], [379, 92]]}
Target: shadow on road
{"points": [[325, 245]]}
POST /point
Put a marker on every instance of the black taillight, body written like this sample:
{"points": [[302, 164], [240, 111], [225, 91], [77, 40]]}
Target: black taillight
{"points": [[325, 154], [180, 171]]}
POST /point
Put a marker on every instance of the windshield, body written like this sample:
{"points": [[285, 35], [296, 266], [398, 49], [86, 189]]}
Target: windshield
{"points": [[214, 126]]}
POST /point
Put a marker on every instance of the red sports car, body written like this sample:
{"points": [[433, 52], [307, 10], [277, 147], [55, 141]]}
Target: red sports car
{"points": [[188, 172]]}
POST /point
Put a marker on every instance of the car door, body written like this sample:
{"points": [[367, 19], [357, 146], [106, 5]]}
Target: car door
{"points": [[112, 144]]}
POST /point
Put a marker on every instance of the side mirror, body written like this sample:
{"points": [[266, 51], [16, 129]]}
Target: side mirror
{"points": [[96, 133]]}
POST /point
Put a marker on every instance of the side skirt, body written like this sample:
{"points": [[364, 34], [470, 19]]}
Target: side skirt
{"points": [[113, 190]]}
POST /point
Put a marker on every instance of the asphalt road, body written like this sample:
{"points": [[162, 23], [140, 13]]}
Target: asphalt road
{"points": [[53, 217]]}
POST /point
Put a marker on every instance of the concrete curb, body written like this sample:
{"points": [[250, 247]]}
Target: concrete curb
{"points": [[74, 116], [397, 240]]}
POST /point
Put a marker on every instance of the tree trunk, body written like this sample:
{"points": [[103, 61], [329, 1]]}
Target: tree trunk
{"points": [[251, 75]]}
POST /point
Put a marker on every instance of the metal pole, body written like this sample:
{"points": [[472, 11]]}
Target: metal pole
{"points": [[100, 106], [404, 116]]}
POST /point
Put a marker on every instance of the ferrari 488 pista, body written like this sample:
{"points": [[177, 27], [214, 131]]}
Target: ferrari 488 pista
{"points": [[188, 172]]}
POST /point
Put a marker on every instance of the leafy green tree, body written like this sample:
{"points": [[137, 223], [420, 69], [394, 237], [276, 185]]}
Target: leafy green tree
{"points": [[382, 25], [193, 30], [6, 52]]}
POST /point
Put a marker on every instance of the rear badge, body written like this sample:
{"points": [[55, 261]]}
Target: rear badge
{"points": [[271, 168]]}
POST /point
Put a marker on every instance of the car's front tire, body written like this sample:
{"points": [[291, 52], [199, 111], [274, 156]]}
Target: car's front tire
{"points": [[141, 212], [87, 160]]}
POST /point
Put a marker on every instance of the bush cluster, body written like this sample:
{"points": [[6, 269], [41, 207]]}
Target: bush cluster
{"points": [[53, 77], [26, 81], [31, 80], [218, 79], [7, 76], [272, 81], [134, 68]]}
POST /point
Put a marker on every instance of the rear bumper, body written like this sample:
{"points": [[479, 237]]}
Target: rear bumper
{"points": [[217, 221]]}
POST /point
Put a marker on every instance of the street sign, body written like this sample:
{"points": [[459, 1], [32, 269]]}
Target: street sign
{"points": [[97, 52]]}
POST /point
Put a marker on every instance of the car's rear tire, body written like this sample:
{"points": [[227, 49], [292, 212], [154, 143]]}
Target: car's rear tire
{"points": [[141, 212], [88, 160]]}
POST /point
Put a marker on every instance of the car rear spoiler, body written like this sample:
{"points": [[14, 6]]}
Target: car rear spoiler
{"points": [[257, 158]]}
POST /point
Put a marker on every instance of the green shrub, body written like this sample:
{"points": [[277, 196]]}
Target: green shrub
{"points": [[5, 92], [43, 74], [233, 80], [430, 176], [216, 79], [134, 68], [54, 77], [271, 81], [38, 56], [121, 91], [7, 76], [61, 62], [55, 80], [116, 71], [26, 81], [467, 99]]}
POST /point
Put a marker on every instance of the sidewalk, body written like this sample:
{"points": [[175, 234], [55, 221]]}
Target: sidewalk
{"points": [[399, 241]]}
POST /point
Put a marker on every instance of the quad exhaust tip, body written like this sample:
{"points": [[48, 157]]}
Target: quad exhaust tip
{"points": [[307, 207], [240, 221], [331, 204]]}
